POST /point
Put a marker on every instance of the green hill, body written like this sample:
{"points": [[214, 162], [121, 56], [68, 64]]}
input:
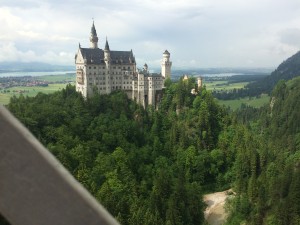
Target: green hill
{"points": [[145, 166], [267, 161], [150, 166], [287, 70]]}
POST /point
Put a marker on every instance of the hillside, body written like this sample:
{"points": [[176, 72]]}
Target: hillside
{"points": [[267, 162], [154, 166], [145, 166], [287, 70]]}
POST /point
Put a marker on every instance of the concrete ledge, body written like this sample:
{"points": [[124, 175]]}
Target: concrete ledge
{"points": [[35, 189]]}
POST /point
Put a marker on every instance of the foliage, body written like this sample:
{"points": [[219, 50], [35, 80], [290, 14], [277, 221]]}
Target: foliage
{"points": [[267, 156], [151, 166], [145, 166]]}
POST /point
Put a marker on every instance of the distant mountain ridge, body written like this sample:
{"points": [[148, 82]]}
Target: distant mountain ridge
{"points": [[287, 70], [32, 67]]}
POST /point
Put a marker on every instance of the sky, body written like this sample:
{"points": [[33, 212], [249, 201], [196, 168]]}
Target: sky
{"points": [[197, 33]]}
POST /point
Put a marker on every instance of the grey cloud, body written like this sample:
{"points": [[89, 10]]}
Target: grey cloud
{"points": [[215, 31], [20, 3], [291, 37]]}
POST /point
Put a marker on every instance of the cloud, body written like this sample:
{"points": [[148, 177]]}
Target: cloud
{"points": [[201, 33], [291, 37], [9, 53]]}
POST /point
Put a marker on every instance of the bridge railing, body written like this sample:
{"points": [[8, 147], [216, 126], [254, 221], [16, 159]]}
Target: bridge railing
{"points": [[35, 189]]}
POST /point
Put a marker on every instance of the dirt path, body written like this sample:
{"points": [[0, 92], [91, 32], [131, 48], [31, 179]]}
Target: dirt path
{"points": [[215, 212]]}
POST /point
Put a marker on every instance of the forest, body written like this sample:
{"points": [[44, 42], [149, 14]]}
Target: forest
{"points": [[149, 166]]}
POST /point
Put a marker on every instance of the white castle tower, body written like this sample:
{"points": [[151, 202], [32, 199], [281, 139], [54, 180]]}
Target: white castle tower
{"points": [[166, 65]]}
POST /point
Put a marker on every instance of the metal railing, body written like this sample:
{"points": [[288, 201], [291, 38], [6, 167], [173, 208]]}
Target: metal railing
{"points": [[35, 189]]}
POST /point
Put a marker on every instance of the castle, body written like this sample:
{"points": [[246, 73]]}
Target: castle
{"points": [[105, 71]]}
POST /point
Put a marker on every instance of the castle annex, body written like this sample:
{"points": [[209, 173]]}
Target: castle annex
{"points": [[105, 70]]}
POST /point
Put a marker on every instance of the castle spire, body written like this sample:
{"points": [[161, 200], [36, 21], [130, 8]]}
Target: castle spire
{"points": [[107, 53], [93, 30], [94, 37], [106, 45]]}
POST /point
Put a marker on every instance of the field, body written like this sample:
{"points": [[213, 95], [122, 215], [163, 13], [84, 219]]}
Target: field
{"points": [[236, 103], [28, 91], [254, 102], [56, 83], [224, 85]]}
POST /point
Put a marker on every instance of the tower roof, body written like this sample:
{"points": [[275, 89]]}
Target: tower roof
{"points": [[97, 56], [106, 45], [166, 52], [93, 30]]}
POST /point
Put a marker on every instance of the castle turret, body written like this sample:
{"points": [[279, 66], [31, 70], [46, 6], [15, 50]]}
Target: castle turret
{"points": [[145, 68], [94, 37], [106, 52], [199, 82], [166, 65]]}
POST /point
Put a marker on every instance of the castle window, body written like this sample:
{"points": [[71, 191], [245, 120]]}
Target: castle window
{"points": [[94, 67], [90, 67]]}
